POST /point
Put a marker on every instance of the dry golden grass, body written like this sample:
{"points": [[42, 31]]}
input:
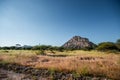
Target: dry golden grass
{"points": [[82, 62]]}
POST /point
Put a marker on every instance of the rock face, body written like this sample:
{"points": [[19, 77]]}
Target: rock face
{"points": [[78, 42]]}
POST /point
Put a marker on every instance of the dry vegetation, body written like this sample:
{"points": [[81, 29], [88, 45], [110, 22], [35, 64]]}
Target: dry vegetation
{"points": [[86, 63]]}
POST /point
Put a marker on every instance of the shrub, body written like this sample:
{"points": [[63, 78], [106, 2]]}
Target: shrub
{"points": [[113, 51], [41, 52], [105, 46], [5, 51], [84, 71], [61, 49], [118, 44]]}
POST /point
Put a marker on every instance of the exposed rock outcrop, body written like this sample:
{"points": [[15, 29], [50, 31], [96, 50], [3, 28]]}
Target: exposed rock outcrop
{"points": [[78, 42]]}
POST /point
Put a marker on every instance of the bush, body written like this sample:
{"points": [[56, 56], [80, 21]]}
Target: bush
{"points": [[105, 46], [41, 52], [5, 48], [113, 51], [118, 44], [61, 49], [5, 51], [87, 48]]}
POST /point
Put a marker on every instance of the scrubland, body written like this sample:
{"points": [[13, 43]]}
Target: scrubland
{"points": [[77, 62]]}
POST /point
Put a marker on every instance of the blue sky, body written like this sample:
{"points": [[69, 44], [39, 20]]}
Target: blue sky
{"points": [[53, 22]]}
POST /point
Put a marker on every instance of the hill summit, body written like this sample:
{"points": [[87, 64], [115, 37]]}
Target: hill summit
{"points": [[78, 42]]}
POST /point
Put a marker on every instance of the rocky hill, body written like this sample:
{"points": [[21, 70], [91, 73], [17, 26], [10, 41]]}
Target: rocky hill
{"points": [[78, 42]]}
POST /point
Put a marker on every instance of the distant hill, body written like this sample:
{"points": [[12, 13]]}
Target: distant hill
{"points": [[78, 42]]}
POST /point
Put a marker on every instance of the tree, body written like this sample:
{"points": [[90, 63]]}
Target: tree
{"points": [[118, 41], [5, 48], [61, 49], [118, 44], [104, 46], [13, 47]]}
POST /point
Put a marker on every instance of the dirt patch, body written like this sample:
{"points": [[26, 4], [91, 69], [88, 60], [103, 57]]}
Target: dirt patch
{"points": [[10, 75], [19, 72]]}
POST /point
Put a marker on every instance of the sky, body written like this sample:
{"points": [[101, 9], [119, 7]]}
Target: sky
{"points": [[53, 22]]}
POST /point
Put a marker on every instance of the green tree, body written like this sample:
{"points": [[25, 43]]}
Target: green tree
{"points": [[12, 47], [104, 46], [118, 44]]}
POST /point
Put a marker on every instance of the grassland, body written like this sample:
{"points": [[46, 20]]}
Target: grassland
{"points": [[78, 62]]}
